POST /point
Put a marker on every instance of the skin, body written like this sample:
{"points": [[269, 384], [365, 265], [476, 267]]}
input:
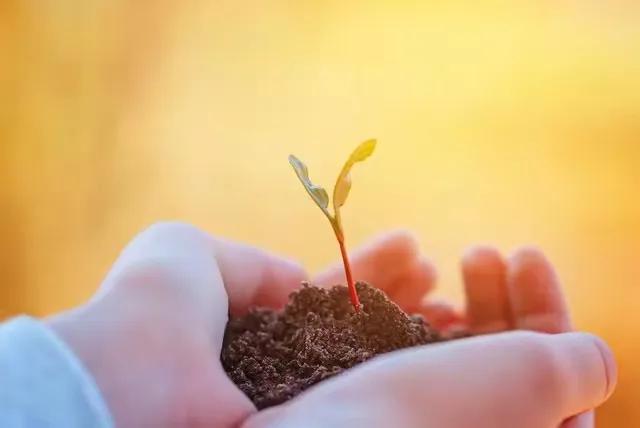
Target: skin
{"points": [[152, 336]]}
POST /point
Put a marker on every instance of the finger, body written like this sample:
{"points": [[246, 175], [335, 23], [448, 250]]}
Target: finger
{"points": [[254, 277], [379, 260], [386, 262], [176, 261], [583, 420], [484, 273], [588, 373], [441, 315], [511, 379], [535, 293], [214, 273], [409, 288], [168, 276]]}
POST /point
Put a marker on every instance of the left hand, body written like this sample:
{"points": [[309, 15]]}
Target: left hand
{"points": [[152, 335]]}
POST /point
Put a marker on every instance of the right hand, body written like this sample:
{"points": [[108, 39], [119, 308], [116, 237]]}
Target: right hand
{"points": [[511, 379]]}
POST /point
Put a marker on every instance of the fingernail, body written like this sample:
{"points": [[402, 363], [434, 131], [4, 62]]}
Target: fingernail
{"points": [[583, 420], [482, 257], [526, 257], [609, 361]]}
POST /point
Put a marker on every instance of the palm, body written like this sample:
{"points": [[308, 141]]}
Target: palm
{"points": [[522, 292]]}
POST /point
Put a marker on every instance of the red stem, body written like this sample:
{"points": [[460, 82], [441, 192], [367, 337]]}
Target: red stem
{"points": [[353, 294]]}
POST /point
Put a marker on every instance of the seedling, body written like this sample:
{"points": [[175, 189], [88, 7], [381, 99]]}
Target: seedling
{"points": [[340, 193]]}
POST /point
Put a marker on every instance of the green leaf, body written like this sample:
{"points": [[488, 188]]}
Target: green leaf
{"points": [[343, 183], [317, 193]]}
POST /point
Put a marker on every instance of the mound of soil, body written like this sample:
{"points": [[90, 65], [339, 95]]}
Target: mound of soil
{"points": [[274, 355]]}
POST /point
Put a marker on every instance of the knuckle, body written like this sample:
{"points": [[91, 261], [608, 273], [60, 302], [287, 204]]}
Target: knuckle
{"points": [[155, 270], [529, 250], [545, 368], [528, 256]]}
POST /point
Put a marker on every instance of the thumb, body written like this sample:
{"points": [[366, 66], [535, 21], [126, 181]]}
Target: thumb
{"points": [[158, 321], [513, 379], [205, 274]]}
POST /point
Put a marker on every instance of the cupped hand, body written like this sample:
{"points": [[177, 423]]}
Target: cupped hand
{"points": [[152, 336], [520, 378]]}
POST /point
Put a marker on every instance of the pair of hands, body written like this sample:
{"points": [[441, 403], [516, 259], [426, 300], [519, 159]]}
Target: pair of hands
{"points": [[152, 336]]}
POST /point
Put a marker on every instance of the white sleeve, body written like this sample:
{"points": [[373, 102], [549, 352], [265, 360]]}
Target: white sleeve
{"points": [[42, 383]]}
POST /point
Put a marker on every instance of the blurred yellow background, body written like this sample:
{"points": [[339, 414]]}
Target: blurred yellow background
{"points": [[498, 122]]}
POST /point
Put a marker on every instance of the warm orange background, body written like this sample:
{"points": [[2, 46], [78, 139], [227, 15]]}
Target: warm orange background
{"points": [[501, 122]]}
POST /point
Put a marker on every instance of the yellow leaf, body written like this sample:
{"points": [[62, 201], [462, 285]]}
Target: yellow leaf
{"points": [[341, 191], [343, 183], [363, 151]]}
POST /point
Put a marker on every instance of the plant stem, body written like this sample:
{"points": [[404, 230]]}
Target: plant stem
{"points": [[353, 293]]}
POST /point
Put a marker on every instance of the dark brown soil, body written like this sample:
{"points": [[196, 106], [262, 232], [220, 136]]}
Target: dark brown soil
{"points": [[273, 356]]}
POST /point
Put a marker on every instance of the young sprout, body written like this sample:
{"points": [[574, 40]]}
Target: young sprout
{"points": [[340, 193]]}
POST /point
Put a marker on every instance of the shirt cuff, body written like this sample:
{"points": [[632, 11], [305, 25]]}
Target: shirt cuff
{"points": [[42, 382]]}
